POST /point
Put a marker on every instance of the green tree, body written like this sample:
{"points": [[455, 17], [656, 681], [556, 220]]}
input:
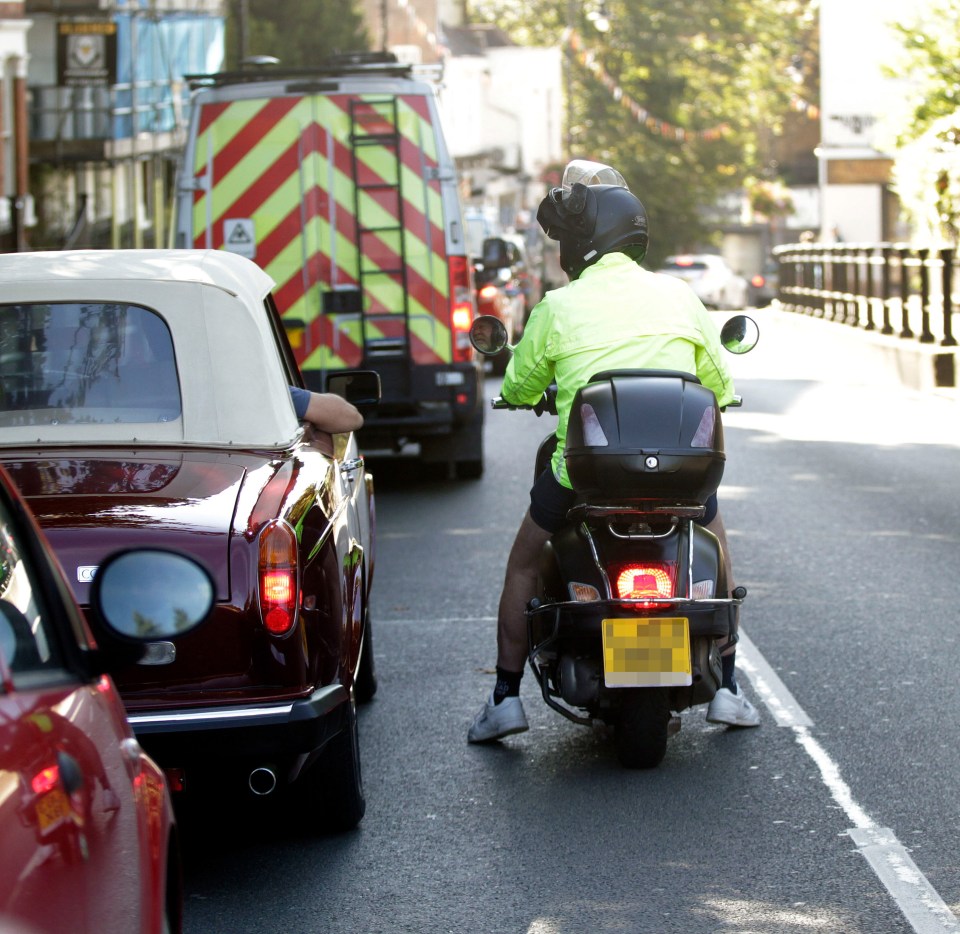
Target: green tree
{"points": [[711, 80], [300, 33], [925, 132], [929, 66]]}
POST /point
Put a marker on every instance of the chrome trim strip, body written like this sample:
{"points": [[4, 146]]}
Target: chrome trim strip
{"points": [[213, 716]]}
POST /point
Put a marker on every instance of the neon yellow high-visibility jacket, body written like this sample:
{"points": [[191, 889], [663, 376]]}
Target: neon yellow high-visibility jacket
{"points": [[616, 315]]}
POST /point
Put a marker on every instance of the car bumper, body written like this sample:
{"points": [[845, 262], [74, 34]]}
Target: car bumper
{"points": [[279, 730]]}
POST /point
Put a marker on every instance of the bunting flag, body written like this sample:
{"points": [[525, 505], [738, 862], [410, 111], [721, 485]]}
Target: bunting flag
{"points": [[588, 60]]}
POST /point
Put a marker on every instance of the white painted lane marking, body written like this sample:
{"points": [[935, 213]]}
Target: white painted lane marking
{"points": [[925, 911], [780, 702]]}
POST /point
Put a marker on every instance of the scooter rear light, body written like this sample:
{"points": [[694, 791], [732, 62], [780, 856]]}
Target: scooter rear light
{"points": [[488, 293], [45, 780], [583, 593], [645, 582], [703, 590]]}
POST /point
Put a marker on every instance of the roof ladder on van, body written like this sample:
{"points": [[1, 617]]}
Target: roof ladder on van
{"points": [[382, 272]]}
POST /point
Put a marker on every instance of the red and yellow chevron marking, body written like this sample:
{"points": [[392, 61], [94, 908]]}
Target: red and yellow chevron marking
{"points": [[288, 165]]}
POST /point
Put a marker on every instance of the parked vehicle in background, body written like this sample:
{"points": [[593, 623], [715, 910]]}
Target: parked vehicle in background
{"points": [[146, 400], [765, 285], [87, 833], [339, 184], [499, 288], [710, 276], [527, 271]]}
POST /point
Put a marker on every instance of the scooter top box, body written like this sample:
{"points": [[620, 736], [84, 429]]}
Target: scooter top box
{"points": [[638, 435]]}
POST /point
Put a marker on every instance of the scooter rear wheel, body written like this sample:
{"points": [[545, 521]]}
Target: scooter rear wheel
{"points": [[641, 730]]}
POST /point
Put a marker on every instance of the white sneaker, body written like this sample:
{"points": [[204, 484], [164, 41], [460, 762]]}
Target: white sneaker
{"points": [[498, 720], [732, 709]]}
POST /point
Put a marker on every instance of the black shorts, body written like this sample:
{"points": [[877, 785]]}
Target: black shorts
{"points": [[550, 501]]}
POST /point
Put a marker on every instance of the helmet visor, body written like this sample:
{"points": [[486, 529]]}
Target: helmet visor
{"points": [[585, 172]]}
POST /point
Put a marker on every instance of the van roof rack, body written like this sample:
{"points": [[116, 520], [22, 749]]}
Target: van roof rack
{"points": [[343, 63]]}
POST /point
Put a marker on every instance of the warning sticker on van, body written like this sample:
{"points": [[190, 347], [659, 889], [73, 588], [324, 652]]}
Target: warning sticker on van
{"points": [[238, 236]]}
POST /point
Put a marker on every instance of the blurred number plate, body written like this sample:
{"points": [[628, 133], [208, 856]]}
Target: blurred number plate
{"points": [[52, 808], [646, 653]]}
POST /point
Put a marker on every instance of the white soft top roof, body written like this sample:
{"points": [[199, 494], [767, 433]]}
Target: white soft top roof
{"points": [[233, 381]]}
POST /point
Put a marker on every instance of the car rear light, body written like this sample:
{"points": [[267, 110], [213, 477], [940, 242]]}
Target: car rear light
{"points": [[461, 308], [488, 293], [278, 589], [645, 582], [757, 281]]}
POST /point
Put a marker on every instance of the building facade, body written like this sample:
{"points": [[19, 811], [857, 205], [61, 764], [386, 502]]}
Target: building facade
{"points": [[107, 105]]}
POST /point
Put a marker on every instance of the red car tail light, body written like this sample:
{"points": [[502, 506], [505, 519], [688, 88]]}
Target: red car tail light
{"points": [[488, 293], [279, 593], [461, 308], [757, 281], [645, 582]]}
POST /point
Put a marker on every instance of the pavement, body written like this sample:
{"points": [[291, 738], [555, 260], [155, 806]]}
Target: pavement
{"points": [[867, 356]]}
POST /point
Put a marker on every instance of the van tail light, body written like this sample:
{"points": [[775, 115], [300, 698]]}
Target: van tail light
{"points": [[278, 579], [645, 582], [462, 309]]}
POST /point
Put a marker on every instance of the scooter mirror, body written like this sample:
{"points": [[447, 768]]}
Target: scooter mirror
{"points": [[740, 334], [488, 335]]}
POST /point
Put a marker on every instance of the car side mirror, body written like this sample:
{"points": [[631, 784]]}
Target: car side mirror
{"points": [[147, 594], [360, 388], [495, 254]]}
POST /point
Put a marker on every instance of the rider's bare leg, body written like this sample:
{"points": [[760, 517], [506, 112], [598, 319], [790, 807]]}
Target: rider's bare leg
{"points": [[519, 587]]}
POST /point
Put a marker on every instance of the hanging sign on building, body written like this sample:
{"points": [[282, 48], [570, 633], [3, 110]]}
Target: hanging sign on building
{"points": [[86, 52]]}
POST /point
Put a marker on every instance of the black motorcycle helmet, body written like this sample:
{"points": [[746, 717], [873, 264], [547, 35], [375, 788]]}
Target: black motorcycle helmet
{"points": [[592, 220]]}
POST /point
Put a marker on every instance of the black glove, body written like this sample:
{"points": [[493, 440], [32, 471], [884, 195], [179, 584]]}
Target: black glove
{"points": [[548, 401]]}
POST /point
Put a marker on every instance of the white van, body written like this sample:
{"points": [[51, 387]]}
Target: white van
{"points": [[339, 184]]}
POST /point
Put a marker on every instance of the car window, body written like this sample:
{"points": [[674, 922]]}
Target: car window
{"points": [[696, 266], [27, 642], [85, 362]]}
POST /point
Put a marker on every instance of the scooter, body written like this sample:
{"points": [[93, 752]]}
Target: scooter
{"points": [[632, 602]]}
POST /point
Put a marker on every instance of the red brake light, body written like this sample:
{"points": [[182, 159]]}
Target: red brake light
{"points": [[45, 780], [644, 582], [757, 281], [278, 577], [488, 292], [461, 308], [684, 261]]}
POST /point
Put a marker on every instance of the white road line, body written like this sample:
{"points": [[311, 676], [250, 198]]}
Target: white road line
{"points": [[924, 909]]}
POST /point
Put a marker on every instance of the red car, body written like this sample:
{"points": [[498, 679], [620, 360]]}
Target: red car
{"points": [[87, 835], [147, 402]]}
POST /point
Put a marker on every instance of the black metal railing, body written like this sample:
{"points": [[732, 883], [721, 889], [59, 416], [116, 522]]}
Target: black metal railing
{"points": [[892, 288]]}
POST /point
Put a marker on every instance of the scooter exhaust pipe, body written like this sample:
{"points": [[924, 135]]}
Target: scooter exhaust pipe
{"points": [[262, 780]]}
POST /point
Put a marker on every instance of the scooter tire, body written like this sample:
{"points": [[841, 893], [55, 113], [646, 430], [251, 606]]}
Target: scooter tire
{"points": [[642, 728]]}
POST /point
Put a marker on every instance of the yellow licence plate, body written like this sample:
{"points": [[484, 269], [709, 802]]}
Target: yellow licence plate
{"points": [[646, 653], [52, 808]]}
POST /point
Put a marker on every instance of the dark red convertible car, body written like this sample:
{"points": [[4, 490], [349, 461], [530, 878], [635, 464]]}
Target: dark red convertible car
{"points": [[145, 401]]}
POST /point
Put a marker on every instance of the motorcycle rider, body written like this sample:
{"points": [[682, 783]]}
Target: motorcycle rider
{"points": [[612, 314]]}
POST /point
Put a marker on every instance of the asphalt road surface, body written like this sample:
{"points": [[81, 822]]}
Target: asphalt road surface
{"points": [[841, 813]]}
